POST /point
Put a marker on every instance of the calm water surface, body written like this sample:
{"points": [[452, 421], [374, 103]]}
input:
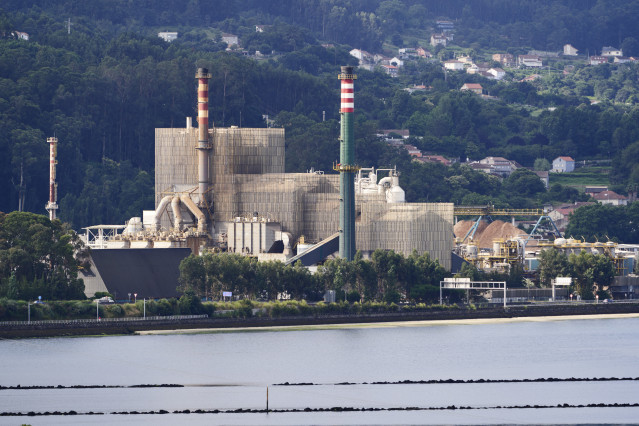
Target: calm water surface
{"points": [[232, 370]]}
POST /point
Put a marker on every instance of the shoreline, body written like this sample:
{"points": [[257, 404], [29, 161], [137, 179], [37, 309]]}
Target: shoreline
{"points": [[387, 324], [461, 316]]}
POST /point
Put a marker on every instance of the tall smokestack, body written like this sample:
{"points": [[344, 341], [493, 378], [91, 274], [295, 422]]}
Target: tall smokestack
{"points": [[203, 145], [52, 205], [347, 167]]}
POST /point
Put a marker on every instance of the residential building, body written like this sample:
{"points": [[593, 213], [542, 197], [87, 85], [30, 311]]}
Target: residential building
{"points": [[563, 165], [621, 60], [465, 59], [486, 168], [611, 197], [569, 50], [531, 77], [21, 35], [561, 215], [597, 60], [168, 36], [454, 65], [390, 70], [435, 159], [423, 53], [473, 87], [506, 59], [413, 150], [497, 73], [544, 53], [611, 51], [594, 190], [438, 39], [532, 61], [261, 28], [404, 133], [544, 176], [395, 61], [230, 39], [362, 55], [407, 52], [417, 88], [499, 165]]}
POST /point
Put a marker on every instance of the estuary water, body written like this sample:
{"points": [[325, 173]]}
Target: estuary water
{"points": [[232, 370]]}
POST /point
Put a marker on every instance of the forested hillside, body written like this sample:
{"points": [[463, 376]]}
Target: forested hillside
{"points": [[104, 83]]}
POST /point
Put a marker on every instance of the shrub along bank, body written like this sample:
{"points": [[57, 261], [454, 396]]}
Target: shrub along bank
{"points": [[17, 310]]}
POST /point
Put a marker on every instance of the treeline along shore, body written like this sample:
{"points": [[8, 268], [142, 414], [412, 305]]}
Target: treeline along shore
{"points": [[287, 315]]}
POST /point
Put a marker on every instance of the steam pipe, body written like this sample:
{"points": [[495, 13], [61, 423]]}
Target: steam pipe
{"points": [[201, 219], [158, 212], [203, 145], [175, 206]]}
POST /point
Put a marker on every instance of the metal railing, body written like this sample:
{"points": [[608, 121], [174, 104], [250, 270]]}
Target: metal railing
{"points": [[104, 320]]}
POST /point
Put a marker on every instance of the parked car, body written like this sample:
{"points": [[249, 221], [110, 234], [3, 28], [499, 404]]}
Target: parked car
{"points": [[105, 300]]}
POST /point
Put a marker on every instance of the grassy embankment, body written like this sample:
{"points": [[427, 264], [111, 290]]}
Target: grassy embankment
{"points": [[15, 310], [582, 177]]}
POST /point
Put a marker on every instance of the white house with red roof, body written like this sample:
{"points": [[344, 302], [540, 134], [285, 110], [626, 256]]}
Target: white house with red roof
{"points": [[473, 87], [611, 197], [563, 165]]}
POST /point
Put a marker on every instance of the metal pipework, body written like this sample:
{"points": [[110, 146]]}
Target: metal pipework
{"points": [[52, 205], [347, 167], [203, 145]]}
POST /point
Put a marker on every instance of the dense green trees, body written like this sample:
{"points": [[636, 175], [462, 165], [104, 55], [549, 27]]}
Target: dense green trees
{"points": [[104, 88], [386, 276], [602, 222], [37, 258], [586, 270]]}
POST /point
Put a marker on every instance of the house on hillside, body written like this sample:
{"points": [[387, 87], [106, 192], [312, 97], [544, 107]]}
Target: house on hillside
{"points": [[20, 35], [363, 56], [428, 158], [454, 65], [611, 51], [438, 40], [168, 36], [388, 133], [611, 197], [530, 61], [597, 60], [230, 39], [594, 190], [412, 150], [544, 176], [621, 60], [563, 165], [390, 70], [261, 28], [473, 87], [499, 165], [569, 50], [561, 215], [506, 59], [497, 73], [423, 53]]}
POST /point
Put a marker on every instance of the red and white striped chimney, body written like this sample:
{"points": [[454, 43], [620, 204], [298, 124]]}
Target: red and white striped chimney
{"points": [[348, 101], [203, 145]]}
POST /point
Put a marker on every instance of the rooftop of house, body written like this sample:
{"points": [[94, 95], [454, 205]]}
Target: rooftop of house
{"points": [[608, 195], [564, 158]]}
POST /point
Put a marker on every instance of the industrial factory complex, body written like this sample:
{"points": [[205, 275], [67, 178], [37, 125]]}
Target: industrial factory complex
{"points": [[225, 189]]}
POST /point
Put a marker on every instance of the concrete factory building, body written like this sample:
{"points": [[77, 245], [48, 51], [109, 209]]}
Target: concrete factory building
{"points": [[249, 190], [226, 189]]}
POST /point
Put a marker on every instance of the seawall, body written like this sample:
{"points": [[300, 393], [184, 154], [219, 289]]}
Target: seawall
{"points": [[124, 326]]}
